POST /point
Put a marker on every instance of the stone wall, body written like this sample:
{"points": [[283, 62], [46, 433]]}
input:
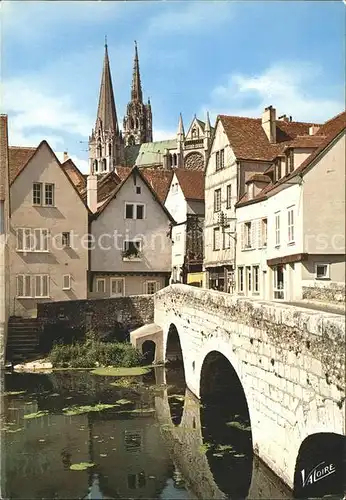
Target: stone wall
{"points": [[290, 361], [98, 314], [329, 292]]}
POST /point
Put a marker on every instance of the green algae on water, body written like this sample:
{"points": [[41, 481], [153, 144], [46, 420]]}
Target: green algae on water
{"points": [[123, 402], [238, 425], [122, 372], [14, 393], [37, 414], [81, 466], [79, 410], [204, 448]]}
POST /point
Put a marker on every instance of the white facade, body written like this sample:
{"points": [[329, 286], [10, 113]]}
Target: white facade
{"points": [[133, 221]]}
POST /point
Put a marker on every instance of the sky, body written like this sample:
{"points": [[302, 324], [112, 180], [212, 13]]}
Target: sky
{"points": [[195, 56]]}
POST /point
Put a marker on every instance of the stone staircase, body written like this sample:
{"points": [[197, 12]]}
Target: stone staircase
{"points": [[23, 339]]}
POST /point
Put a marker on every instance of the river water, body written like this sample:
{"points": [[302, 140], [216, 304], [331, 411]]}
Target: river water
{"points": [[157, 442]]}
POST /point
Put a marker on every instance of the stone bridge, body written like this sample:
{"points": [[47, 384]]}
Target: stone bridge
{"points": [[288, 361]]}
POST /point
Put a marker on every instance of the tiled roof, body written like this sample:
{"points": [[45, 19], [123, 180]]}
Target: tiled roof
{"points": [[307, 141], [249, 141], [160, 181], [259, 178], [191, 183], [123, 172], [329, 131], [18, 158], [74, 174]]}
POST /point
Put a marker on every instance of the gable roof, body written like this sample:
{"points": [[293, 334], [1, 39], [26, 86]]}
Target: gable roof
{"points": [[21, 159], [191, 183], [18, 157], [76, 176], [249, 141], [330, 130], [140, 173]]}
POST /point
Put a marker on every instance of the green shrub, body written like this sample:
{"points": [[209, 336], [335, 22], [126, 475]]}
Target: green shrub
{"points": [[93, 353]]}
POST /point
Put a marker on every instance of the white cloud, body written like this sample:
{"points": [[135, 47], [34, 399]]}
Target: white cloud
{"points": [[163, 135], [290, 87], [190, 16]]}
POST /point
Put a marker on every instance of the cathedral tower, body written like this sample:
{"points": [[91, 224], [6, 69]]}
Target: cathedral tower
{"points": [[138, 123], [106, 146]]}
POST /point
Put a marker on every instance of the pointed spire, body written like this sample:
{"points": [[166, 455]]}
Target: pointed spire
{"points": [[136, 89], [106, 111], [181, 132], [207, 128]]}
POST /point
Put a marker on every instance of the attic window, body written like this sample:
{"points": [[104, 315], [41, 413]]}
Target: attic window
{"points": [[138, 189]]}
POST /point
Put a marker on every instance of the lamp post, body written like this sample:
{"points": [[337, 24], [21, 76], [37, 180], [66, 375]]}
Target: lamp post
{"points": [[224, 222]]}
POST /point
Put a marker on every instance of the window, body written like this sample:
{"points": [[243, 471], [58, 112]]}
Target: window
{"points": [[32, 286], [290, 215], [248, 230], [264, 227], [229, 196], [32, 240], [134, 211], [132, 249], [37, 193], [117, 287], [65, 239], [279, 292], [278, 169], [177, 237], [138, 189], [49, 195], [220, 159], [291, 160], [277, 229], [66, 282], [248, 278], [255, 270], [226, 238], [240, 279], [322, 271], [217, 200], [216, 241], [150, 287], [100, 285]]}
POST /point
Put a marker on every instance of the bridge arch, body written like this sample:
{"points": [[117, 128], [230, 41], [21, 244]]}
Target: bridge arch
{"points": [[175, 374], [148, 351]]}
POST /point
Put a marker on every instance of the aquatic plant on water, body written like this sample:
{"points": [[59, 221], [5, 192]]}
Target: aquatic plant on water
{"points": [[121, 372], [37, 414], [79, 410], [93, 353], [81, 466], [239, 425], [14, 393]]}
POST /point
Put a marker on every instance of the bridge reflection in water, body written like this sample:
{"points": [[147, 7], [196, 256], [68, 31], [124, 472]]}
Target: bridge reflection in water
{"points": [[212, 452]]}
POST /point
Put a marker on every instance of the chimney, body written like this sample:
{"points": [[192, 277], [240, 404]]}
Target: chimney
{"points": [[92, 193], [283, 118], [269, 123], [65, 156], [313, 129]]}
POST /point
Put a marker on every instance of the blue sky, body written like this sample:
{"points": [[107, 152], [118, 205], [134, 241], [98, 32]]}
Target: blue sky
{"points": [[225, 57]]}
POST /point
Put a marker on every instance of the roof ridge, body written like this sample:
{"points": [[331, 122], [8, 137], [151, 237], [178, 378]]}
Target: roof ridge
{"points": [[335, 117], [22, 147]]}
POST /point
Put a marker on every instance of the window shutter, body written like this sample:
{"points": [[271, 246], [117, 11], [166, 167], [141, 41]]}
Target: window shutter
{"points": [[253, 234], [242, 238], [20, 285], [19, 239], [259, 234], [45, 287]]}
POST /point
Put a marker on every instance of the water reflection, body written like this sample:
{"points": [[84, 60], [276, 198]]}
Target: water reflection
{"points": [[158, 453]]}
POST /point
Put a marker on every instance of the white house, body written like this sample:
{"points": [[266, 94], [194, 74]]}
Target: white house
{"points": [[241, 147], [185, 202], [291, 223], [130, 239]]}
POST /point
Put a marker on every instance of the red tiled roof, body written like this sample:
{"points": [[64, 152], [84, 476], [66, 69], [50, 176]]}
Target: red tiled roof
{"points": [[259, 178], [307, 141], [74, 174], [249, 141], [18, 158], [329, 131], [191, 183], [159, 179]]}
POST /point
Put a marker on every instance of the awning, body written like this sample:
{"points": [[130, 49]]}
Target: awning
{"points": [[287, 259]]}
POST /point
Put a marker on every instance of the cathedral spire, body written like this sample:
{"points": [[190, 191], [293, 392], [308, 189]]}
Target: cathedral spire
{"points": [[106, 111], [136, 89]]}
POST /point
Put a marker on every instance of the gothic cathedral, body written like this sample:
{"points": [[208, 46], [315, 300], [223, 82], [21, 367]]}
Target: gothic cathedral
{"points": [[107, 145]]}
